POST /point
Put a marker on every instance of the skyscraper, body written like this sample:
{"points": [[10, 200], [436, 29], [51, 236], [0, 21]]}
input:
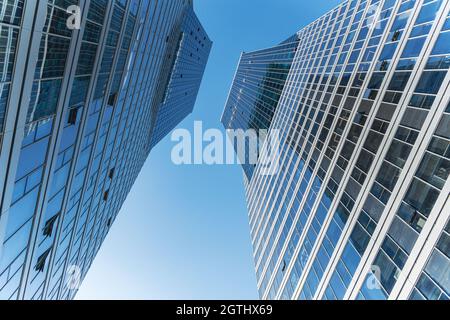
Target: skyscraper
{"points": [[360, 207], [256, 90], [87, 88]]}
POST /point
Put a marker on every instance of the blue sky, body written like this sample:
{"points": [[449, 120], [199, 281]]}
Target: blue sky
{"points": [[183, 231]]}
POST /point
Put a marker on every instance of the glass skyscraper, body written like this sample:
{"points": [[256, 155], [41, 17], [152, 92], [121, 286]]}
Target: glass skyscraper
{"points": [[360, 207], [87, 88], [256, 91]]}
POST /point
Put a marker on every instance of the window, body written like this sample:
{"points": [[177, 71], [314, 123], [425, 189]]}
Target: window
{"points": [[44, 99], [384, 65], [422, 196], [399, 81], [442, 45], [428, 288], [86, 61], [421, 30], [40, 264], [398, 153], [413, 48], [388, 176], [32, 157], [396, 35], [52, 56], [428, 12], [388, 52], [403, 235], [443, 129], [72, 119], [48, 228], [12, 12], [112, 99], [431, 82], [111, 173], [106, 195], [400, 21], [420, 101], [434, 170], [439, 269], [21, 212], [373, 141], [79, 91]]}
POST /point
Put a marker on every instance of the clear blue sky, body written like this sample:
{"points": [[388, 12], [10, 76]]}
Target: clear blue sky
{"points": [[183, 231]]}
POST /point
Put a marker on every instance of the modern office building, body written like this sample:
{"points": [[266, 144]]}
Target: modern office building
{"points": [[360, 207], [256, 91], [85, 93]]}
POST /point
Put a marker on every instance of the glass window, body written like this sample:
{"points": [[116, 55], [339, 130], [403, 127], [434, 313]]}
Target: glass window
{"points": [[399, 81], [434, 170], [443, 129], [21, 212], [388, 52], [14, 246], [400, 21], [442, 45], [398, 153], [413, 48], [431, 82], [376, 81], [439, 269], [8, 42], [86, 60], [422, 196], [31, 157], [388, 175], [11, 11], [429, 12], [402, 234], [44, 99], [428, 288], [52, 57], [444, 244]]}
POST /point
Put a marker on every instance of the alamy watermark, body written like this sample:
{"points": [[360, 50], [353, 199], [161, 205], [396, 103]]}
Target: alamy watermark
{"points": [[214, 147], [73, 22], [373, 281]]}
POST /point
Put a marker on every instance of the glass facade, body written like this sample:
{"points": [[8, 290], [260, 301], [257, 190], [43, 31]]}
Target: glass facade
{"points": [[361, 194], [257, 88], [77, 124]]}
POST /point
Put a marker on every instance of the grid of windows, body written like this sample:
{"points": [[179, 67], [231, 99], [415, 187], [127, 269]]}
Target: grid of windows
{"points": [[88, 123], [365, 88], [193, 47], [434, 282], [11, 12], [257, 88]]}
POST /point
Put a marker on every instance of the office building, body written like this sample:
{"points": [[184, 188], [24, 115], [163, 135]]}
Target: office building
{"points": [[87, 89], [360, 207], [256, 91]]}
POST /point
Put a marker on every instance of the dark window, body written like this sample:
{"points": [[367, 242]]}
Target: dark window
{"points": [[72, 116], [49, 225], [431, 81], [111, 173], [112, 99], [40, 264], [106, 195]]}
